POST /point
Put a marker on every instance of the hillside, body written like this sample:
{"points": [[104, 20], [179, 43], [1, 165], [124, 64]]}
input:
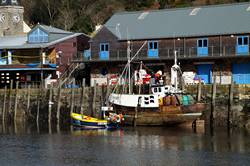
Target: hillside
{"points": [[84, 15]]}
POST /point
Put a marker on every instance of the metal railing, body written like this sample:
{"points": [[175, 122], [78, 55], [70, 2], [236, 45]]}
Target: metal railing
{"points": [[165, 53]]}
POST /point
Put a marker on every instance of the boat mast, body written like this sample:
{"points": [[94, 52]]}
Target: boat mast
{"points": [[129, 67], [175, 64]]}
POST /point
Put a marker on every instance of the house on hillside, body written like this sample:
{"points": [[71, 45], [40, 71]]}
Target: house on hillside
{"points": [[209, 40], [44, 53]]}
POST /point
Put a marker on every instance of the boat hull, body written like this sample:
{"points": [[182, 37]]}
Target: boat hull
{"points": [[86, 122], [164, 116]]}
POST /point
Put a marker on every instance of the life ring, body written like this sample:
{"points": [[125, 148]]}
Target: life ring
{"points": [[118, 118]]}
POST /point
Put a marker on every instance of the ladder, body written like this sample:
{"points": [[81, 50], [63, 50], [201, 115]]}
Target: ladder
{"points": [[68, 73]]}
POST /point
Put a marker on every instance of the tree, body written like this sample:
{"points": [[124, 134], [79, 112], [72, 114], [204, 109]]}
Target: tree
{"points": [[52, 9]]}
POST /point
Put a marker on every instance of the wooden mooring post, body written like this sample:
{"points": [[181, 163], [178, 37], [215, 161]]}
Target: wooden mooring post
{"points": [[10, 94], [82, 96], [94, 100], [59, 95], [230, 103], [28, 102], [72, 101], [50, 105], [16, 101], [4, 105], [213, 102], [107, 94], [38, 111], [199, 91]]}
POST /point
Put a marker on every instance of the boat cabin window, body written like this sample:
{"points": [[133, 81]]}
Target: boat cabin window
{"points": [[155, 90]]}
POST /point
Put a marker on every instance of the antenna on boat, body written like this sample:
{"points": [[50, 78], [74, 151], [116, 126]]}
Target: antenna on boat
{"points": [[175, 57], [174, 72]]}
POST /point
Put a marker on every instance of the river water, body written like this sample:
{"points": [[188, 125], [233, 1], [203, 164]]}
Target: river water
{"points": [[126, 147]]}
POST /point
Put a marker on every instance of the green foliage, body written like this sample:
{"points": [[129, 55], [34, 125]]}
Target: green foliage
{"points": [[84, 15]]}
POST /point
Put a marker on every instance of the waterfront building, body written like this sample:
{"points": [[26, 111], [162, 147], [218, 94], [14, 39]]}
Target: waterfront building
{"points": [[209, 40], [40, 56]]}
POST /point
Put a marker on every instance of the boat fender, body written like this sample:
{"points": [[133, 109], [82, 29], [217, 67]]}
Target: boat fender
{"points": [[87, 118], [121, 117]]}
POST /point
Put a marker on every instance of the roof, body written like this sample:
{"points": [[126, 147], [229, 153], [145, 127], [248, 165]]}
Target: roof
{"points": [[20, 42], [50, 29], [183, 22]]}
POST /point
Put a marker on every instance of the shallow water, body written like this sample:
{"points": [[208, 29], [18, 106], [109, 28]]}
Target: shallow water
{"points": [[126, 147]]}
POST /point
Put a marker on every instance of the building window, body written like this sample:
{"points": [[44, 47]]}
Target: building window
{"points": [[104, 51], [153, 49], [202, 47], [38, 36], [242, 45]]}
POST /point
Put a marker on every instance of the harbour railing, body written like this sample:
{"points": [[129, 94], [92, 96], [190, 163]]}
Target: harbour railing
{"points": [[165, 53]]}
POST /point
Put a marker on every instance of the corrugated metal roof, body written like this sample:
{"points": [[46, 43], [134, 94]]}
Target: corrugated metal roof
{"points": [[51, 29], [168, 23], [20, 42]]}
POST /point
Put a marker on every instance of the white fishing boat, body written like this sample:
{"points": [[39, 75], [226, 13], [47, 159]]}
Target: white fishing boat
{"points": [[165, 104]]}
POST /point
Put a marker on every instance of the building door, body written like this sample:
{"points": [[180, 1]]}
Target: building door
{"points": [[204, 72], [202, 47], [242, 45], [241, 73], [104, 51], [153, 49]]}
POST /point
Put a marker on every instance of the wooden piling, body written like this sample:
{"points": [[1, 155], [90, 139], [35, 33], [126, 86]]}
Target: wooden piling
{"points": [[136, 116], [10, 93], [72, 103], [199, 91], [4, 105], [102, 98], [107, 94], [94, 100], [38, 110], [213, 102], [58, 103], [82, 96], [230, 103], [28, 102], [50, 105], [16, 101]]}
